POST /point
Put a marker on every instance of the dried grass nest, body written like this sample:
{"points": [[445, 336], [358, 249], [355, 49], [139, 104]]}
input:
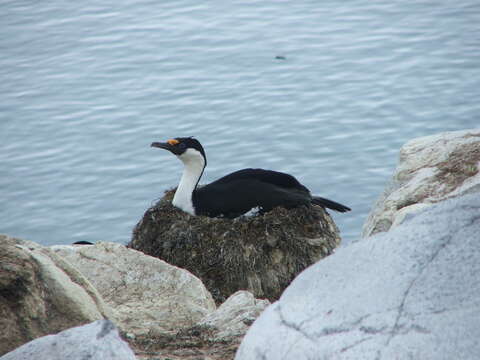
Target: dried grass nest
{"points": [[261, 253]]}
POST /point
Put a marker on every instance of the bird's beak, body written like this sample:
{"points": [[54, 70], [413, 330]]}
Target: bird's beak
{"points": [[162, 145]]}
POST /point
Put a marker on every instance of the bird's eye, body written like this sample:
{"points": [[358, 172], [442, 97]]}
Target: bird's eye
{"points": [[181, 145]]}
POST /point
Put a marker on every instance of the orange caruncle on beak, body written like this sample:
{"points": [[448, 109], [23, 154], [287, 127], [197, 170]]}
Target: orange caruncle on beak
{"points": [[173, 141]]}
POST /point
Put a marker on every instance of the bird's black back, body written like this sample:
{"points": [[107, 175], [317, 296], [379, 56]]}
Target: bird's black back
{"points": [[268, 176], [240, 191]]}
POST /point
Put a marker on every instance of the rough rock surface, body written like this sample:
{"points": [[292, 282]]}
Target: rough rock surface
{"points": [[410, 293], [41, 294], [97, 341], [261, 254], [430, 169], [233, 318], [215, 337], [149, 296]]}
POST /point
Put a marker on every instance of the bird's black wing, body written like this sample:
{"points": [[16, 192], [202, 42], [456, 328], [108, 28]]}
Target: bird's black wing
{"points": [[267, 176], [317, 200], [243, 190]]}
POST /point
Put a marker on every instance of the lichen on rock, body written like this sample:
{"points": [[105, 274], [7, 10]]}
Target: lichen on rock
{"points": [[431, 169], [261, 253], [40, 294]]}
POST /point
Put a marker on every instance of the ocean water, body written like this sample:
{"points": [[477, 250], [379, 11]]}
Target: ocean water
{"points": [[327, 91]]}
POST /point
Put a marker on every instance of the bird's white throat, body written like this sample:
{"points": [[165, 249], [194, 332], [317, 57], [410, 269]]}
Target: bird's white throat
{"points": [[194, 163]]}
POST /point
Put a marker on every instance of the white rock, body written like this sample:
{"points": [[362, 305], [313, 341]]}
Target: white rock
{"points": [[148, 295], [41, 294], [408, 211], [96, 341], [234, 317], [431, 169], [410, 293]]}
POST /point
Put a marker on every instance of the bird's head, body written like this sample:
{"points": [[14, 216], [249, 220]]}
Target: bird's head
{"points": [[186, 149]]}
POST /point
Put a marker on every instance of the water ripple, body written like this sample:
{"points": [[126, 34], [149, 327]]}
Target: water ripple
{"points": [[86, 87]]}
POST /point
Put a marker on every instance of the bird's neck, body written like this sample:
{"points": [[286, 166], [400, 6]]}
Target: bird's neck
{"points": [[192, 173]]}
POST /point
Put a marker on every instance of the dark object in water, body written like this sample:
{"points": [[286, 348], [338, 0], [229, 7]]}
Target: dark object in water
{"points": [[83, 242]]}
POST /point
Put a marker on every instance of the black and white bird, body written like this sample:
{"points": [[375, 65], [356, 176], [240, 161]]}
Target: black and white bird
{"points": [[237, 193]]}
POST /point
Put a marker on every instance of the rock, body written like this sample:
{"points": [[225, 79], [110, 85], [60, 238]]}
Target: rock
{"points": [[410, 293], [215, 337], [41, 294], [233, 318], [431, 169], [261, 254], [96, 341], [149, 296]]}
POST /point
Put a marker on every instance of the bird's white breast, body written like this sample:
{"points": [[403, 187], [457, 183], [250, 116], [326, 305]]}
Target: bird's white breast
{"points": [[193, 168]]}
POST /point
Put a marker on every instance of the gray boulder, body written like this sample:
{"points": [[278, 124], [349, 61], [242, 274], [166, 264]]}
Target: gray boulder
{"points": [[96, 341], [431, 169], [147, 295], [40, 294], [232, 319], [215, 337], [410, 293]]}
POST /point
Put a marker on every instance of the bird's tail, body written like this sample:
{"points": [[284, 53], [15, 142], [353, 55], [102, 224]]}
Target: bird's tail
{"points": [[317, 200]]}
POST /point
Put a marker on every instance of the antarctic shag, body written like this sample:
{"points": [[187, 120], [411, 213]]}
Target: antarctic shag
{"points": [[237, 193]]}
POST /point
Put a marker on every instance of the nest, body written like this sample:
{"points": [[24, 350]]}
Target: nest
{"points": [[261, 253]]}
